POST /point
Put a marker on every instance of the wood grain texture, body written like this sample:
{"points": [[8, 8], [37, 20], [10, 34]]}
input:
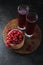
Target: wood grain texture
{"points": [[34, 42]]}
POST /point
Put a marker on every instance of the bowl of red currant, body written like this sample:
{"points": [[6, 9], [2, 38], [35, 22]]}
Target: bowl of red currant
{"points": [[15, 39]]}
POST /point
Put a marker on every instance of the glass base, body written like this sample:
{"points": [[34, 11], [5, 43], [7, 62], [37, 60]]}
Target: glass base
{"points": [[28, 35], [21, 28]]}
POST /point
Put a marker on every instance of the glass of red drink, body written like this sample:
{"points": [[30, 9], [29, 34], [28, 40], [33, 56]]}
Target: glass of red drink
{"points": [[31, 19], [22, 11]]}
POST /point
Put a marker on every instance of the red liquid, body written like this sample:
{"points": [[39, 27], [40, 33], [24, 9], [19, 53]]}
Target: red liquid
{"points": [[30, 24], [22, 16], [22, 20]]}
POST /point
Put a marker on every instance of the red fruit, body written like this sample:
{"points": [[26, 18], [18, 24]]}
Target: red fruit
{"points": [[18, 33], [8, 43], [11, 36], [11, 32], [15, 39], [8, 38], [14, 32], [20, 36], [15, 35]]}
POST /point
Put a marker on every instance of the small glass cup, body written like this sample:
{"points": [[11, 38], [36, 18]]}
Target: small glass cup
{"points": [[22, 11], [31, 19]]}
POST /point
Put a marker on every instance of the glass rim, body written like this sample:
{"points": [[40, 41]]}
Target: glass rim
{"points": [[27, 7], [34, 13], [27, 35]]}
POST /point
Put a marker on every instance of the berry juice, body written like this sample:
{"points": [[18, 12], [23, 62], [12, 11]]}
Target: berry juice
{"points": [[30, 23], [22, 10]]}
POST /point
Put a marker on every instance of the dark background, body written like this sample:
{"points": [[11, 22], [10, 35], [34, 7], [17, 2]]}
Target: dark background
{"points": [[8, 11]]}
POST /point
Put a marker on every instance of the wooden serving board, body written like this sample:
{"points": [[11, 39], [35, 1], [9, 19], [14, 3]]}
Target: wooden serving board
{"points": [[33, 42]]}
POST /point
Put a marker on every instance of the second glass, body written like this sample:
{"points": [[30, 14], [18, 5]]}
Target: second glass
{"points": [[31, 19], [22, 11]]}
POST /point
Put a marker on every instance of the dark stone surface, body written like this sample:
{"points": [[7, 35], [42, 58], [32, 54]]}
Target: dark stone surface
{"points": [[8, 11]]}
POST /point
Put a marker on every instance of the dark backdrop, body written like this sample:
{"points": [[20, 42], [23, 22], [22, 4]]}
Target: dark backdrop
{"points": [[8, 11]]}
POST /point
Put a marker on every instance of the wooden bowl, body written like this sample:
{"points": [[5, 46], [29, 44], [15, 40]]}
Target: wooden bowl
{"points": [[17, 46]]}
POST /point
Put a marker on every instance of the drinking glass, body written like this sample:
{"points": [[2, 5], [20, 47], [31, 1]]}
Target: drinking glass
{"points": [[31, 19], [22, 11]]}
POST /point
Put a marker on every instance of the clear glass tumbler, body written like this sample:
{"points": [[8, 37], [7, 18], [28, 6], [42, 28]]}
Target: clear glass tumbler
{"points": [[31, 19], [22, 11]]}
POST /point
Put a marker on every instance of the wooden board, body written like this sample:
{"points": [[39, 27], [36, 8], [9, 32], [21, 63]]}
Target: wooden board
{"points": [[33, 42]]}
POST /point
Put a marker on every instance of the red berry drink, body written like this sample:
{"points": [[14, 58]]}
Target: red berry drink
{"points": [[22, 10], [31, 19]]}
